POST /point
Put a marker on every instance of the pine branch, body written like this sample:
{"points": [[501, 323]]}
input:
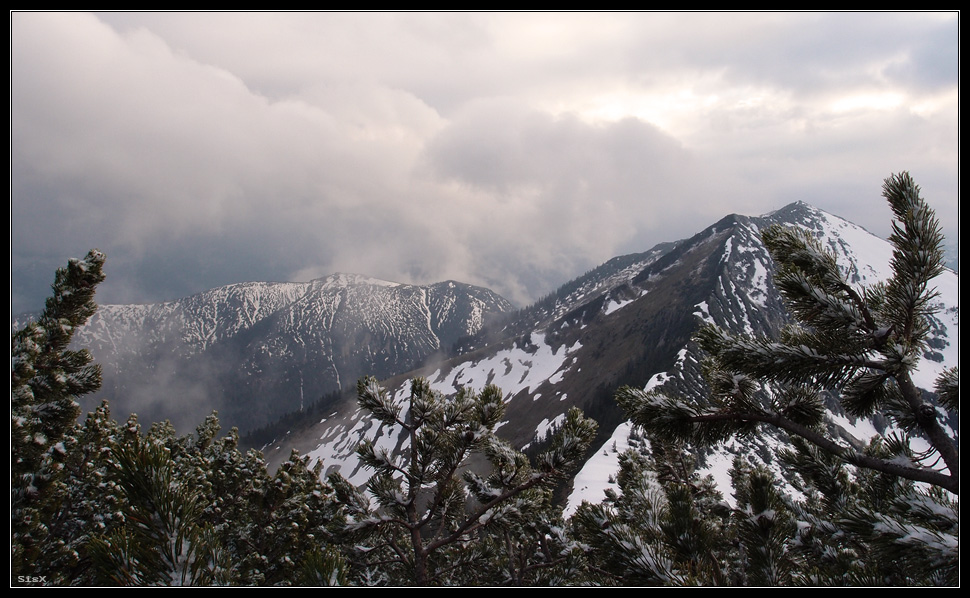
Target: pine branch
{"points": [[948, 482], [930, 426]]}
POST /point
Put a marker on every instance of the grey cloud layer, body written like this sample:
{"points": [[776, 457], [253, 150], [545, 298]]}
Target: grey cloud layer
{"points": [[202, 149]]}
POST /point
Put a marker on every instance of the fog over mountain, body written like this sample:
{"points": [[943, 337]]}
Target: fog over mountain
{"points": [[630, 322], [506, 150], [256, 351], [281, 360]]}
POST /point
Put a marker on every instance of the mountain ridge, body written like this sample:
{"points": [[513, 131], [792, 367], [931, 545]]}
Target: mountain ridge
{"points": [[255, 351], [291, 353], [630, 322]]}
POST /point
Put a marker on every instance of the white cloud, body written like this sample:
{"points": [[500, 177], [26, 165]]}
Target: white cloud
{"points": [[509, 149]]}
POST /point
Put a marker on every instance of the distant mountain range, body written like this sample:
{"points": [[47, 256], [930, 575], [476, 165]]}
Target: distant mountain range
{"points": [[281, 360], [255, 351]]}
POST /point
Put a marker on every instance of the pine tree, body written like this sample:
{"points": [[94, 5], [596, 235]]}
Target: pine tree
{"points": [[47, 378], [102, 504], [432, 507], [764, 529], [871, 528], [530, 547], [866, 506], [286, 535], [88, 501], [199, 512], [665, 526], [164, 540], [866, 343]]}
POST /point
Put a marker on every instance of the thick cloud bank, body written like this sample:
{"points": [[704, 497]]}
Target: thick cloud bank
{"points": [[509, 150]]}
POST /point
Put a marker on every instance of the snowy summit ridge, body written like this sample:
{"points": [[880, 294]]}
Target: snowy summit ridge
{"points": [[630, 322], [255, 351]]}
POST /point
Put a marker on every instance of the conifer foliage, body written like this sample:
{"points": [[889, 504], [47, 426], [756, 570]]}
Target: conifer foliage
{"points": [[98, 503], [47, 379], [450, 503], [198, 512], [433, 513], [864, 343], [665, 526], [885, 514]]}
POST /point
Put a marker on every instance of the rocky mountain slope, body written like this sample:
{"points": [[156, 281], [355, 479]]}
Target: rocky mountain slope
{"points": [[629, 322], [254, 351]]}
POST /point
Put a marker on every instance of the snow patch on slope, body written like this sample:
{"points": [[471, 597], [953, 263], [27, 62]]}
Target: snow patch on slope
{"points": [[596, 476], [512, 369]]}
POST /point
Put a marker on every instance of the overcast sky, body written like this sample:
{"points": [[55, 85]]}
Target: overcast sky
{"points": [[514, 151]]}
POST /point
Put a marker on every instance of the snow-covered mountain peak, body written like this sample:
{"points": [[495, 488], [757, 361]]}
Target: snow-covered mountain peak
{"points": [[255, 351], [745, 301], [864, 255], [259, 351], [630, 322]]}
